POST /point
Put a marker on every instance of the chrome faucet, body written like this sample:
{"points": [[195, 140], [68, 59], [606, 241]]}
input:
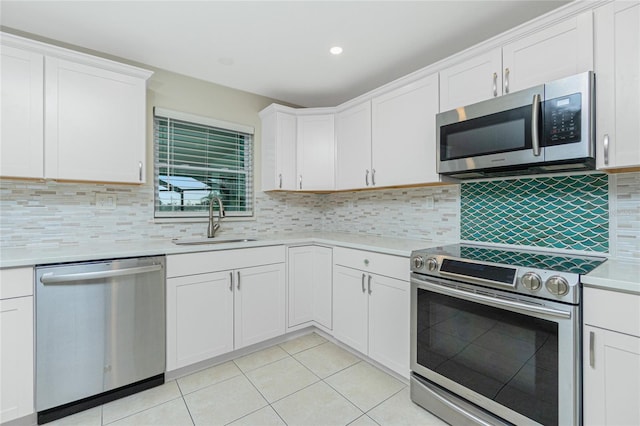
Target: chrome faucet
{"points": [[213, 227]]}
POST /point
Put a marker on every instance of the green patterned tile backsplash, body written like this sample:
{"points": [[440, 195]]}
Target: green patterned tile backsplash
{"points": [[564, 212]]}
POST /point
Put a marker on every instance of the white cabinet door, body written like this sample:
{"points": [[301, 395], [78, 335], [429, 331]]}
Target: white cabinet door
{"points": [[323, 286], [389, 323], [259, 304], [316, 152], [558, 51], [95, 126], [611, 378], [199, 318], [353, 147], [21, 140], [301, 262], [310, 285], [617, 68], [474, 80], [350, 306], [404, 134], [278, 151], [16, 358]]}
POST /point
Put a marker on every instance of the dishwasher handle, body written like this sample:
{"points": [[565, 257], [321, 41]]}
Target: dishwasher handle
{"points": [[51, 278]]}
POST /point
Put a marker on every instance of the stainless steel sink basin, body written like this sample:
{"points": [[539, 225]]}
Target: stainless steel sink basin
{"points": [[202, 241]]}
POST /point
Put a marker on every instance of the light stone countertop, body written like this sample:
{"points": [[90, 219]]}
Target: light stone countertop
{"points": [[21, 257], [615, 275]]}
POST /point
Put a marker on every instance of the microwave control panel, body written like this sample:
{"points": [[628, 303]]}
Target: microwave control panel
{"points": [[562, 120]]}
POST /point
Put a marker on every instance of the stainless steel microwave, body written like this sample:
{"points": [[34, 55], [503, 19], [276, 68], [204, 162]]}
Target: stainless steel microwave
{"points": [[544, 129]]}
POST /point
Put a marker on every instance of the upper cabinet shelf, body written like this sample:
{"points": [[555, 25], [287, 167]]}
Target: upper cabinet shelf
{"points": [[70, 116]]}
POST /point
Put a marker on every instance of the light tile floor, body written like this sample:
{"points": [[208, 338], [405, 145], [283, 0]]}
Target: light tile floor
{"points": [[303, 382]]}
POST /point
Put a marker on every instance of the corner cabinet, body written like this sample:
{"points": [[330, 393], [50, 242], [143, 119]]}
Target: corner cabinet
{"points": [[403, 134], [611, 365], [73, 116], [316, 152], [617, 67], [213, 310], [16, 344], [371, 301], [309, 289]]}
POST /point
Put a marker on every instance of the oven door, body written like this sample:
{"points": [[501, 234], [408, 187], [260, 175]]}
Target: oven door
{"points": [[500, 132], [517, 359]]}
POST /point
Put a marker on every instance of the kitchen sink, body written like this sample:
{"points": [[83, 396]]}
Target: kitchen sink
{"points": [[202, 241]]}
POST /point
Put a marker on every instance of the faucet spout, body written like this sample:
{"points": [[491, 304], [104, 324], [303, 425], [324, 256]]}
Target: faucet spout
{"points": [[215, 225]]}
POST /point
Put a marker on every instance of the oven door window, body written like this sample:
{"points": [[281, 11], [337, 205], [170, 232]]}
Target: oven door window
{"points": [[508, 357]]}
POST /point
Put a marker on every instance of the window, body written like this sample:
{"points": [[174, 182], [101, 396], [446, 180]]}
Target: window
{"points": [[197, 158]]}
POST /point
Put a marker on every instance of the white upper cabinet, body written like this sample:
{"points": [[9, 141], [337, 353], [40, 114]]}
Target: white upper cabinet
{"points": [[279, 135], [554, 52], [474, 80], [95, 127], [617, 67], [21, 150], [71, 116], [404, 134], [353, 147], [316, 152]]}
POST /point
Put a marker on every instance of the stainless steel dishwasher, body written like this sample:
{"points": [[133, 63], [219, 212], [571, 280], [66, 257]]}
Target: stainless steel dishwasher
{"points": [[100, 333]]}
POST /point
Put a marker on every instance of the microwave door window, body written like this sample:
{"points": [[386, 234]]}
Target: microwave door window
{"points": [[493, 134]]}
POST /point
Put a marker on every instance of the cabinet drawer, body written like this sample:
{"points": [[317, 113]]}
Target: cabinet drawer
{"points": [[16, 282], [612, 310], [376, 263], [211, 261]]}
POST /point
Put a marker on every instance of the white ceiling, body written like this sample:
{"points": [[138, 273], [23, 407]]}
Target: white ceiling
{"points": [[275, 48]]}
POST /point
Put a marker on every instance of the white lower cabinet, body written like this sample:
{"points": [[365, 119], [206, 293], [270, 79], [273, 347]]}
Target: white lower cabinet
{"points": [[210, 313], [16, 343], [310, 286], [371, 310], [611, 366]]}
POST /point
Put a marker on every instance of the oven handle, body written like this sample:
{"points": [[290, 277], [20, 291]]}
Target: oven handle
{"points": [[497, 303]]}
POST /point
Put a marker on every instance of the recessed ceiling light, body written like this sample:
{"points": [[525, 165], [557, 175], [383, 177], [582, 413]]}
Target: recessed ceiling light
{"points": [[336, 50]]}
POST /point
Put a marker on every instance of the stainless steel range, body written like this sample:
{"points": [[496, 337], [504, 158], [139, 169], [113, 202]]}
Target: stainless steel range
{"points": [[496, 335]]}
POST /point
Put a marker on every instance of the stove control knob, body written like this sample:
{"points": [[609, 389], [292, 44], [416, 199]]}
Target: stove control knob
{"points": [[432, 264], [418, 262], [531, 281], [557, 285]]}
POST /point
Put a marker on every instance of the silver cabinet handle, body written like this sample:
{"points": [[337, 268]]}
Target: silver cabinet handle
{"points": [[369, 284], [605, 144], [535, 113], [140, 170], [592, 344], [238, 287], [495, 84], [50, 278], [373, 177], [280, 177], [366, 177], [506, 80], [363, 275], [230, 281], [300, 181]]}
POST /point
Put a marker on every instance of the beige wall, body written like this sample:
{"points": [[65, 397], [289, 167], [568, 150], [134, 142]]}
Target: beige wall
{"points": [[185, 94]]}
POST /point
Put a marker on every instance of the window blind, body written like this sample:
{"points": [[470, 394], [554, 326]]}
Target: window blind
{"points": [[197, 158]]}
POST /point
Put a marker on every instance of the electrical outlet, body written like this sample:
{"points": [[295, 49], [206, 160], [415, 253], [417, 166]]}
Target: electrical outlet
{"points": [[106, 201], [429, 203]]}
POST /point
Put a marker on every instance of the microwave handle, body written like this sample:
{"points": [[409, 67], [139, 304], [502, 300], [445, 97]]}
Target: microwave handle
{"points": [[535, 123]]}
